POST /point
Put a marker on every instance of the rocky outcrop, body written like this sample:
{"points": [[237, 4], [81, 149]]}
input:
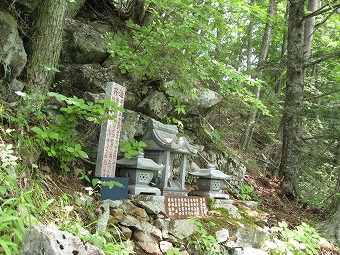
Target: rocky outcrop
{"points": [[76, 79], [144, 219], [13, 57], [199, 103], [155, 105], [12, 53], [82, 44], [42, 240]]}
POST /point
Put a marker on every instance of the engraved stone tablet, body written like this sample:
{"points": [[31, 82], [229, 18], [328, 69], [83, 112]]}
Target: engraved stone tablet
{"points": [[178, 207], [109, 134]]}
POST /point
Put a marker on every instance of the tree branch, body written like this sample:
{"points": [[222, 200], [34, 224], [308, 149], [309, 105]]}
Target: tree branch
{"points": [[323, 95], [325, 19], [336, 55], [319, 137], [321, 10]]}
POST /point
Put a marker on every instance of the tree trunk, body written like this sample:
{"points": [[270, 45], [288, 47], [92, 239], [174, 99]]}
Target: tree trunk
{"points": [[263, 55], [292, 119], [45, 45], [309, 29], [249, 45]]}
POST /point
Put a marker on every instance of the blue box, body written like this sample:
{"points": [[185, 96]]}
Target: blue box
{"points": [[116, 192]]}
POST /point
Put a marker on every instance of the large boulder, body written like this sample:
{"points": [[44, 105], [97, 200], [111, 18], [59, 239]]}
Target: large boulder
{"points": [[133, 125], [82, 44], [13, 57], [155, 105], [199, 104], [147, 242], [181, 228], [75, 79], [42, 240]]}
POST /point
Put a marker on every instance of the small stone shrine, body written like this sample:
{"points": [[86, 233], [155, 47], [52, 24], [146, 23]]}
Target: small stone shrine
{"points": [[162, 147], [209, 182], [140, 172]]}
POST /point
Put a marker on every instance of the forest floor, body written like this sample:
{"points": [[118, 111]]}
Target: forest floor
{"points": [[280, 208]]}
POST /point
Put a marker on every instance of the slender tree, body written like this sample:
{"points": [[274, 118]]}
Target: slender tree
{"points": [[262, 57]]}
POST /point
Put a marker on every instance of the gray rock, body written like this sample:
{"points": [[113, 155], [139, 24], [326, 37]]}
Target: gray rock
{"points": [[121, 233], [93, 97], [42, 240], [8, 93], [129, 123], [129, 221], [181, 228], [204, 100], [75, 79], [252, 204], [251, 236], [222, 235], [82, 44], [130, 209], [152, 230], [116, 216], [229, 165], [155, 105], [104, 216], [165, 246], [82, 199], [163, 225], [13, 57], [151, 204], [147, 242], [226, 204]]}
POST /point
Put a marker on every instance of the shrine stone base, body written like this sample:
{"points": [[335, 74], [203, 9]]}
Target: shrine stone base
{"points": [[139, 189], [174, 192], [209, 194]]}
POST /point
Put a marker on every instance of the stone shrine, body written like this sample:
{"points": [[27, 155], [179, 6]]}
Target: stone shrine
{"points": [[162, 147], [140, 172], [209, 182]]}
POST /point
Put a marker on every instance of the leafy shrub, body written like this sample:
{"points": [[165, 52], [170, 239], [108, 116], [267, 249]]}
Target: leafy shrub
{"points": [[247, 192], [299, 241], [201, 242], [59, 139], [132, 147]]}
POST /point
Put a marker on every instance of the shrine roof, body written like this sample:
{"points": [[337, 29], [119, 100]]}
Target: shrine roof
{"points": [[139, 162], [161, 136], [211, 173]]}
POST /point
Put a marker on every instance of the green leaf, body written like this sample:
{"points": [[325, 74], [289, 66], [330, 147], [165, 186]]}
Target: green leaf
{"points": [[70, 149], [4, 245], [83, 154]]}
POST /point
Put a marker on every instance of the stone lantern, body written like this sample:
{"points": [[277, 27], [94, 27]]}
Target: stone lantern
{"points": [[209, 182], [163, 146], [140, 172]]}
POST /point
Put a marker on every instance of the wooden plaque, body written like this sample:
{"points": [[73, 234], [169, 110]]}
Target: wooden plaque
{"points": [[180, 207]]}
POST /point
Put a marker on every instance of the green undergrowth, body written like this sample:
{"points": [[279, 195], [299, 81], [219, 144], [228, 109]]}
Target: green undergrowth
{"points": [[221, 218], [31, 141]]}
